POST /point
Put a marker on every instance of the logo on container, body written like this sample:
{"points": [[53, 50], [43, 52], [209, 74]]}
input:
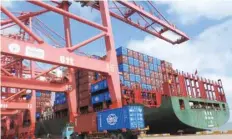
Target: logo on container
{"points": [[112, 119]]}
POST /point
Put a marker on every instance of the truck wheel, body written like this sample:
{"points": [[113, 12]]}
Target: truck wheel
{"points": [[113, 136]]}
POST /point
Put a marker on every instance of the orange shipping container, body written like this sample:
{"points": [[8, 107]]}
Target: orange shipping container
{"points": [[88, 123]]}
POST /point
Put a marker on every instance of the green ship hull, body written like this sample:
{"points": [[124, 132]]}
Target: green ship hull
{"points": [[168, 118]]}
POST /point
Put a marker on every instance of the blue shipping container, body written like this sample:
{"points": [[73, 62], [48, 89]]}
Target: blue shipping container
{"points": [[107, 96], [127, 83], [132, 77], [38, 94], [137, 78], [131, 61], [145, 58], [123, 68], [129, 117], [136, 62], [104, 84], [97, 98], [121, 51], [149, 87], [144, 86], [147, 73], [151, 66], [156, 68], [96, 87]]}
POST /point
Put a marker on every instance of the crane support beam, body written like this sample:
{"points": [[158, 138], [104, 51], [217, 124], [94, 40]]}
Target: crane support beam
{"points": [[68, 14], [16, 105], [31, 84], [48, 54], [24, 27], [153, 18], [9, 112]]}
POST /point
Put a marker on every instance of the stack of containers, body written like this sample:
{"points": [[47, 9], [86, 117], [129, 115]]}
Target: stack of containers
{"points": [[83, 82], [60, 98], [99, 92], [43, 98], [139, 70]]}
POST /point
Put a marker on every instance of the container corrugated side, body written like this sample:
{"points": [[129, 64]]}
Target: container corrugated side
{"points": [[129, 117], [86, 123]]}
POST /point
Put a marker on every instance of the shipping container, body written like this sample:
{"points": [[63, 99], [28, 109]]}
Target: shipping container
{"points": [[136, 62], [127, 117], [126, 77], [132, 77], [150, 59], [127, 83], [131, 69], [145, 58], [137, 70], [151, 66], [122, 59], [140, 56], [130, 61], [130, 53], [86, 123], [135, 55], [97, 98], [97, 86], [107, 96], [147, 73], [121, 51], [123, 68], [137, 78], [121, 78], [84, 95], [85, 102], [141, 64]]}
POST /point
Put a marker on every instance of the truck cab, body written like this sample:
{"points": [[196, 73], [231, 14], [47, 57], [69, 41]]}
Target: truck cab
{"points": [[67, 132]]}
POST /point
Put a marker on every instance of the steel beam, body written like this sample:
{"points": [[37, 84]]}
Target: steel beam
{"points": [[14, 82], [57, 56]]}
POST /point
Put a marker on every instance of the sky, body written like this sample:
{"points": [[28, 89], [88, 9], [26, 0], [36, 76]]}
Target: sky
{"points": [[208, 24]]}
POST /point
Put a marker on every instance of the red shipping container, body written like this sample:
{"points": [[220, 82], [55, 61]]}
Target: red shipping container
{"points": [[153, 82], [130, 53], [152, 74], [122, 59], [133, 85], [142, 72], [146, 66], [126, 76], [141, 64], [148, 80], [135, 55], [61, 107], [84, 102], [137, 70], [131, 69], [84, 95], [159, 69], [140, 57], [88, 123], [143, 79], [86, 79], [150, 59], [85, 73], [84, 87]]}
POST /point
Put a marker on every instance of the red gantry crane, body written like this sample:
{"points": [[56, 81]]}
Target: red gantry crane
{"points": [[27, 45]]}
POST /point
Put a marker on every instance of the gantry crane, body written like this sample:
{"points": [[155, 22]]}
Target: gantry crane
{"points": [[16, 48]]}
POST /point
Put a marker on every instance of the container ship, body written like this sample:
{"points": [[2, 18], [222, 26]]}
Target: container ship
{"points": [[174, 102]]}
